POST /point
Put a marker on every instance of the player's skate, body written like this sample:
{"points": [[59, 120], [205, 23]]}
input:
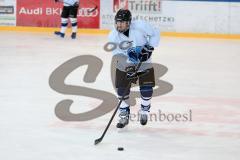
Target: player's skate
{"points": [[59, 34], [124, 117], [144, 112], [74, 35]]}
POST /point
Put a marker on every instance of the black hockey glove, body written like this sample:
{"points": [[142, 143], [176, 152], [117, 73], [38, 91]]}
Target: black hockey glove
{"points": [[76, 4], [146, 53], [131, 74]]}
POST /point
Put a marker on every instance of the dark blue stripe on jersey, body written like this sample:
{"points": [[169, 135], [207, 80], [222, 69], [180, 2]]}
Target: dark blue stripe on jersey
{"points": [[74, 24], [64, 24]]}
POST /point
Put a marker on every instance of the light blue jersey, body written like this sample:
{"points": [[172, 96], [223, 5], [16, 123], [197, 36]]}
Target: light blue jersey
{"points": [[140, 33]]}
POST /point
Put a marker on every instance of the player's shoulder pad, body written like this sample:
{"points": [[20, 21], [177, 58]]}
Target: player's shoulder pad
{"points": [[112, 35], [138, 23]]}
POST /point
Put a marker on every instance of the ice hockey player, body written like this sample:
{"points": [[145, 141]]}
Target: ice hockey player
{"points": [[69, 11], [143, 38]]}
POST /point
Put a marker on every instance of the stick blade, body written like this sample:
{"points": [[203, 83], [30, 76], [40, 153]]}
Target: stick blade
{"points": [[97, 141]]}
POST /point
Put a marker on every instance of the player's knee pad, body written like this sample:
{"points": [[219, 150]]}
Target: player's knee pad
{"points": [[64, 22], [120, 92], [146, 91], [73, 21]]}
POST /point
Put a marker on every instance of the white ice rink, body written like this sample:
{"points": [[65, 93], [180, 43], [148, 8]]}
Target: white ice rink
{"points": [[205, 78]]}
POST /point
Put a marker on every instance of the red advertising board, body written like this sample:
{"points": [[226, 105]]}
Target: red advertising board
{"points": [[46, 13]]}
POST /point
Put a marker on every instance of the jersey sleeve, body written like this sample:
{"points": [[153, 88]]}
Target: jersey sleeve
{"points": [[152, 33], [113, 40], [155, 38]]}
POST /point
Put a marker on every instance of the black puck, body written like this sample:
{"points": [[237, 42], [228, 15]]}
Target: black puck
{"points": [[120, 148]]}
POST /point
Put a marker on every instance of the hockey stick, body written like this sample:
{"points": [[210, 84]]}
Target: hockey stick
{"points": [[119, 103]]}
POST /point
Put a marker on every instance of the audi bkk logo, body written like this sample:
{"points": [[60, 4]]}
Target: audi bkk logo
{"points": [[85, 12]]}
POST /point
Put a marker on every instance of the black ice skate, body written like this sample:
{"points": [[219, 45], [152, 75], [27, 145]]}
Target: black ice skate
{"points": [[144, 114], [124, 117], [59, 34], [74, 35]]}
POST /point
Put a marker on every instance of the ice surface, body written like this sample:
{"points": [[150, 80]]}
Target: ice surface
{"points": [[205, 78]]}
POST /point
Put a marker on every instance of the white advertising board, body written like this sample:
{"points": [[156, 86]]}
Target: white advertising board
{"points": [[178, 16], [7, 12]]}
